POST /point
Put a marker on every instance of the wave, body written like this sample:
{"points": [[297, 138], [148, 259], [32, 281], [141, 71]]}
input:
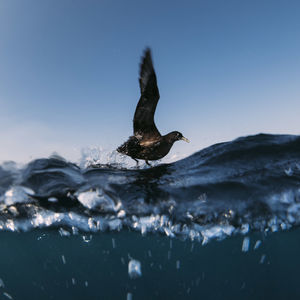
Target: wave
{"points": [[251, 183]]}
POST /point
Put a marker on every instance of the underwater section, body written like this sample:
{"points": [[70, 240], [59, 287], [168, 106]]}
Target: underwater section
{"points": [[42, 264]]}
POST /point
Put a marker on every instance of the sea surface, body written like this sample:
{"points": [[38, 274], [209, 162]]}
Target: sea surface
{"points": [[221, 223]]}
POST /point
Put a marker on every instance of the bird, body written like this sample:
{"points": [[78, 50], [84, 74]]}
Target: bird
{"points": [[147, 143]]}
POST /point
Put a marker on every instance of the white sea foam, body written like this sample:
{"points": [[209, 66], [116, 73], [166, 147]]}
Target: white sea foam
{"points": [[102, 156]]}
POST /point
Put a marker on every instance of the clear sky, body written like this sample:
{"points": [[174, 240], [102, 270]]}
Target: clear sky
{"points": [[69, 71]]}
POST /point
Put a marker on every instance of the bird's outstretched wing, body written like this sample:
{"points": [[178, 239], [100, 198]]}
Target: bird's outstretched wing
{"points": [[143, 122]]}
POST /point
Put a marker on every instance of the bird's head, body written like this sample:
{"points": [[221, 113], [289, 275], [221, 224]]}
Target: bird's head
{"points": [[177, 136]]}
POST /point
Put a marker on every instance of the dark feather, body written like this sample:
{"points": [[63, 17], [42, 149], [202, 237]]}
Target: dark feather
{"points": [[143, 122]]}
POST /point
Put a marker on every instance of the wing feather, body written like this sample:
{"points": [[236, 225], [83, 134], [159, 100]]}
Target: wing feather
{"points": [[143, 121]]}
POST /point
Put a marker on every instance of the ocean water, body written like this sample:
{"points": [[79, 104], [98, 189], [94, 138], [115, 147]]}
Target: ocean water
{"points": [[222, 223]]}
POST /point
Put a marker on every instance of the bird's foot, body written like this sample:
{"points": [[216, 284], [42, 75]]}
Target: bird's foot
{"points": [[137, 162], [147, 162]]}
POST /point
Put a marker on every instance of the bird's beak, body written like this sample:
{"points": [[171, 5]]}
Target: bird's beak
{"points": [[185, 139]]}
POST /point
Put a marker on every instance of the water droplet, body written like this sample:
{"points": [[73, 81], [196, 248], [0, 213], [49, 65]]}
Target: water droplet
{"points": [[289, 171], [262, 259], [87, 238], [113, 243], [63, 232], [1, 283], [246, 243], [63, 259], [134, 268], [257, 244], [7, 295]]}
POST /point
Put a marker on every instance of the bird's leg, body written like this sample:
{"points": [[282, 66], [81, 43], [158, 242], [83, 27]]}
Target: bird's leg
{"points": [[147, 162], [137, 162]]}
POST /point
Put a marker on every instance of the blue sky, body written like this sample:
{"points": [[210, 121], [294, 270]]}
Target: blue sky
{"points": [[69, 71]]}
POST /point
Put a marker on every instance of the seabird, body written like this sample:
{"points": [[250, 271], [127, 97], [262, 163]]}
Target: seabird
{"points": [[147, 143]]}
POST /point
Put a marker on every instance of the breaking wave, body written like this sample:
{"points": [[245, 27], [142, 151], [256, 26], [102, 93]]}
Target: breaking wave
{"points": [[251, 183]]}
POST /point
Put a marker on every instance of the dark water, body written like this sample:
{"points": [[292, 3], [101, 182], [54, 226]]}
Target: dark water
{"points": [[41, 265], [242, 190]]}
